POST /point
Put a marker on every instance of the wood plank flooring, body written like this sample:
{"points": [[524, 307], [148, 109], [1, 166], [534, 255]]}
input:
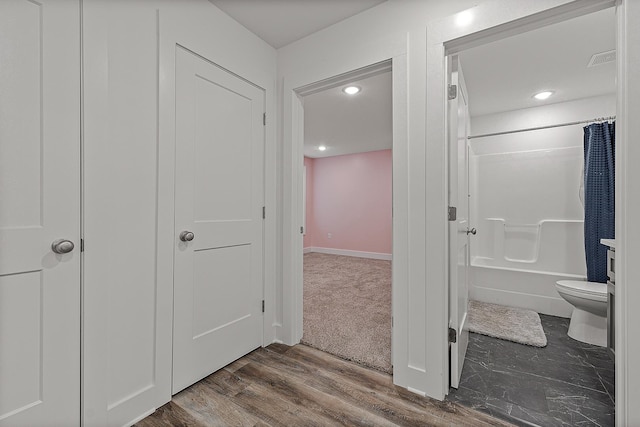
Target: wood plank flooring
{"points": [[301, 386]]}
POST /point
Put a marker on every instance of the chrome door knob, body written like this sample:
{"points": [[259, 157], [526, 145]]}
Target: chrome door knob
{"points": [[187, 236], [472, 231], [62, 246]]}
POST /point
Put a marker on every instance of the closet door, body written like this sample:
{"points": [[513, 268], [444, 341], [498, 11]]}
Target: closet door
{"points": [[218, 276], [39, 213]]}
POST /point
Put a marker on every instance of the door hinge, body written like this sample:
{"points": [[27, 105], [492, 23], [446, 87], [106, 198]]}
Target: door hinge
{"points": [[452, 213], [453, 335], [452, 92], [81, 245], [301, 230], [264, 119], [264, 212], [263, 306]]}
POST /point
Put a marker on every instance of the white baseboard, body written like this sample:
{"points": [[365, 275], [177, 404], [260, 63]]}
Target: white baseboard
{"points": [[538, 303], [346, 252]]}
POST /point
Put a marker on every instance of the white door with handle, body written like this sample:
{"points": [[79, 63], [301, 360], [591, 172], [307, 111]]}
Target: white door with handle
{"points": [[219, 193], [39, 213], [459, 227]]}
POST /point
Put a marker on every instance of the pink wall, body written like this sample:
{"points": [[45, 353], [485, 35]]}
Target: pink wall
{"points": [[350, 198]]}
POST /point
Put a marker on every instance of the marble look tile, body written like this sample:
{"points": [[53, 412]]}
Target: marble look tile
{"points": [[534, 418], [598, 358], [499, 408], [608, 379], [575, 374], [580, 410], [481, 402], [511, 387], [566, 383]]}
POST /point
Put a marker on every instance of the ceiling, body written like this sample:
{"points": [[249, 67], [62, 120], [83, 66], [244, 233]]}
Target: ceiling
{"points": [[500, 76], [348, 124], [504, 75], [280, 22]]}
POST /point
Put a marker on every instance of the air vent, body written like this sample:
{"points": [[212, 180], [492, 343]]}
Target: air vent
{"points": [[602, 58]]}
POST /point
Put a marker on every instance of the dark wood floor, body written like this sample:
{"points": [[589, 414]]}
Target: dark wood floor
{"points": [[300, 386]]}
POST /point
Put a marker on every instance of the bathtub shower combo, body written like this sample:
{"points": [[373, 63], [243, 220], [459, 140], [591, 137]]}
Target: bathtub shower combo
{"points": [[529, 251]]}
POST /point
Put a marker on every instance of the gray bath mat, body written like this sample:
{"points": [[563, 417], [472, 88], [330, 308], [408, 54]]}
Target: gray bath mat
{"points": [[507, 323]]}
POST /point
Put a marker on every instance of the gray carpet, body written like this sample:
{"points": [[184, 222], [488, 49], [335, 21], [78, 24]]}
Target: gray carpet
{"points": [[347, 308], [507, 323]]}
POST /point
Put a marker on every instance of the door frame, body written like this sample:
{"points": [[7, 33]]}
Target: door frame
{"points": [[503, 18], [292, 295], [381, 67]]}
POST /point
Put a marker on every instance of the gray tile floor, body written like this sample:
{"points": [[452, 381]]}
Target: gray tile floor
{"points": [[566, 383]]}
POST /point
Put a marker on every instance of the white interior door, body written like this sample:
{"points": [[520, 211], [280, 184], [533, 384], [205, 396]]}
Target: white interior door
{"points": [[458, 228], [218, 281], [39, 204]]}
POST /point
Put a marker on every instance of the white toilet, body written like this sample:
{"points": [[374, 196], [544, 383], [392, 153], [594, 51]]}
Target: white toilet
{"points": [[589, 318]]}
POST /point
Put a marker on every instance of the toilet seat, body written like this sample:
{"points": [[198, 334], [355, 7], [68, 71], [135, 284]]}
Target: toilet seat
{"points": [[583, 289]]}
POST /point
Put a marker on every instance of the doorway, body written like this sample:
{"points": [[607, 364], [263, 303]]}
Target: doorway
{"points": [[525, 158], [347, 216]]}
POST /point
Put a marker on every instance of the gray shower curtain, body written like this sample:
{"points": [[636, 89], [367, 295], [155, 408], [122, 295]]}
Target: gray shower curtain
{"points": [[599, 196]]}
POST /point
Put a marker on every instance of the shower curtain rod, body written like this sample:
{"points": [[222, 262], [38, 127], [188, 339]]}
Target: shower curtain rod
{"points": [[600, 119]]}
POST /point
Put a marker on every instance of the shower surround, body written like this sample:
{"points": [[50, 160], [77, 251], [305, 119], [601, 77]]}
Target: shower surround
{"points": [[524, 194]]}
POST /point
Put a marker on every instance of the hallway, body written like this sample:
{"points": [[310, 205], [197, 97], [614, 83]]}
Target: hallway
{"points": [[300, 386]]}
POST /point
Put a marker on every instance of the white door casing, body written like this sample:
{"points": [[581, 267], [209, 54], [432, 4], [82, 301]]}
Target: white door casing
{"points": [[304, 201], [218, 279], [458, 228], [39, 203]]}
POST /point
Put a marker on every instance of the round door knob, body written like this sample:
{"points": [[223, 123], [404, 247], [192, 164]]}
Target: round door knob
{"points": [[472, 231], [187, 236], [62, 246]]}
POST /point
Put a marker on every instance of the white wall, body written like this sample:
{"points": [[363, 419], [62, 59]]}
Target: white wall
{"points": [[394, 29], [525, 203], [128, 190]]}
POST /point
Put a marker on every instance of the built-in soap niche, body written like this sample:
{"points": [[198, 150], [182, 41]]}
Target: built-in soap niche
{"points": [[521, 242]]}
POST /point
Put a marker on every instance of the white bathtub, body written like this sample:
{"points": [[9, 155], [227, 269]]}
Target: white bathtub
{"points": [[518, 264], [519, 287]]}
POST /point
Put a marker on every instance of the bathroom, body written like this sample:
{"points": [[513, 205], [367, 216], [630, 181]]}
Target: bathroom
{"points": [[526, 201]]}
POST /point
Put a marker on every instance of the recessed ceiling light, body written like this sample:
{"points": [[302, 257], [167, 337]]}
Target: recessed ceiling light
{"points": [[543, 95], [464, 18], [351, 90], [322, 148]]}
